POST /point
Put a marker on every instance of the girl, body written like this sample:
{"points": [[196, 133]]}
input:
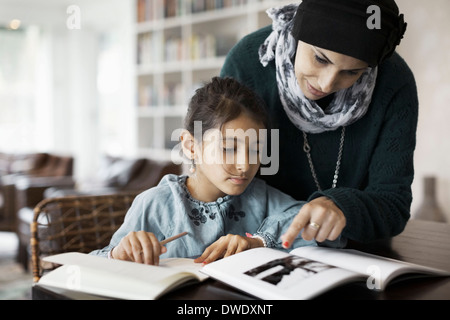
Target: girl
{"points": [[221, 202]]}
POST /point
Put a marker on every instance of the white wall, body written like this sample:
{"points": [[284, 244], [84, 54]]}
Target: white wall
{"points": [[426, 48]]}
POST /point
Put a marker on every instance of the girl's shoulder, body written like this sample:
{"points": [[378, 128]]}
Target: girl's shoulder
{"points": [[169, 188], [258, 188]]}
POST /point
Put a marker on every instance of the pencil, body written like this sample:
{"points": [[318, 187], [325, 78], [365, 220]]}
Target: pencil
{"points": [[164, 242]]}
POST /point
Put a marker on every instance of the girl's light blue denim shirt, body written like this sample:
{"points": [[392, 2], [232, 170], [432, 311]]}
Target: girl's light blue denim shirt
{"points": [[168, 209]]}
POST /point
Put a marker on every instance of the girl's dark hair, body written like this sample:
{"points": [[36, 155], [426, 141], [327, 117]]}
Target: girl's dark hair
{"points": [[223, 100]]}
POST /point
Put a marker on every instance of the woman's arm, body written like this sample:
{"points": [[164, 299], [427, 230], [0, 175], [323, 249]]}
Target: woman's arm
{"points": [[382, 208]]}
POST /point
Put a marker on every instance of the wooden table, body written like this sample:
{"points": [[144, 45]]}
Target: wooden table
{"points": [[422, 242]]}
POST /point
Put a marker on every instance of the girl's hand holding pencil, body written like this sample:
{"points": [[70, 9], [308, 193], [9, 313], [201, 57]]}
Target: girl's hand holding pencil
{"points": [[142, 247]]}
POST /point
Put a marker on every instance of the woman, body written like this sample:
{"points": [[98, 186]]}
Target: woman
{"points": [[346, 108]]}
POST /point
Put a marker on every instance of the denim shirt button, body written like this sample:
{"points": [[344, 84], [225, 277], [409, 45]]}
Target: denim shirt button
{"points": [[220, 200]]}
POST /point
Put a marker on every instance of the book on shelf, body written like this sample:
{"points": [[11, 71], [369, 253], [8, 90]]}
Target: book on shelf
{"points": [[149, 48], [309, 271], [172, 94], [173, 49], [147, 96], [202, 46], [119, 279], [154, 48], [209, 5], [150, 10]]}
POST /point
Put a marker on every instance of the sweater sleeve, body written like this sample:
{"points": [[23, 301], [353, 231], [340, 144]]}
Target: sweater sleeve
{"points": [[382, 208]]}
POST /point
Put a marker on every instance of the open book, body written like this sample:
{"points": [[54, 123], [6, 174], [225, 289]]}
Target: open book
{"points": [[119, 279], [308, 271]]}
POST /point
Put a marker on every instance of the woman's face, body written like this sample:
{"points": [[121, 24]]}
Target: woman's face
{"points": [[322, 72]]}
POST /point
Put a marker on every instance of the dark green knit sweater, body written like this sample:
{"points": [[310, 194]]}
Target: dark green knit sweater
{"points": [[374, 187]]}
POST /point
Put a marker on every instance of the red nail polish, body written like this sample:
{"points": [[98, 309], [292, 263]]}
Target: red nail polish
{"points": [[286, 244]]}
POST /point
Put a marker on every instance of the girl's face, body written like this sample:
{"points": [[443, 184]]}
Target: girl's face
{"points": [[230, 159], [322, 72]]}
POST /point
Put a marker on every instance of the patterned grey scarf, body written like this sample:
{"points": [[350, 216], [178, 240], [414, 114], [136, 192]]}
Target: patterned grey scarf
{"points": [[347, 106]]}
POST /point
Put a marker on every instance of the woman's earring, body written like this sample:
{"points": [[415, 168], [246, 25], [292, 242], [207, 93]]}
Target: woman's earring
{"points": [[192, 168]]}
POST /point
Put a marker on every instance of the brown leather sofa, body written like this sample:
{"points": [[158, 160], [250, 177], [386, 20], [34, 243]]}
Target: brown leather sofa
{"points": [[117, 174], [15, 167]]}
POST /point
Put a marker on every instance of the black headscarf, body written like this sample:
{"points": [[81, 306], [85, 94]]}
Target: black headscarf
{"points": [[350, 27]]}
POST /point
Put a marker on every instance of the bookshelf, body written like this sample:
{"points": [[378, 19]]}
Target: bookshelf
{"points": [[180, 45]]}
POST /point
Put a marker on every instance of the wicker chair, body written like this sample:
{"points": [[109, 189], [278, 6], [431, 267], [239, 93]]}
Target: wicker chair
{"points": [[75, 224]]}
